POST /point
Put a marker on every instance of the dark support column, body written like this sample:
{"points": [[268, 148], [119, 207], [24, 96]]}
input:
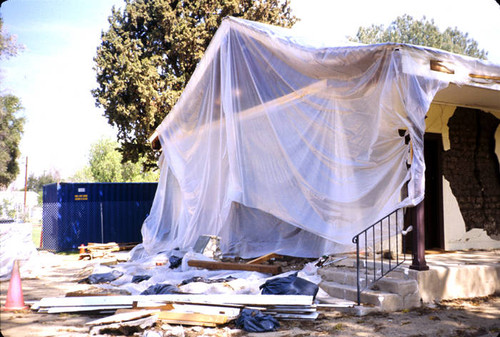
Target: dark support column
{"points": [[418, 249]]}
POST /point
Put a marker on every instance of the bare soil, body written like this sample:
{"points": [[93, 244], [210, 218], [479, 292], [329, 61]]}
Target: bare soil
{"points": [[465, 317]]}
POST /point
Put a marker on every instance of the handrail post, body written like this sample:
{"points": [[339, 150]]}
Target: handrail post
{"points": [[356, 241], [418, 249]]}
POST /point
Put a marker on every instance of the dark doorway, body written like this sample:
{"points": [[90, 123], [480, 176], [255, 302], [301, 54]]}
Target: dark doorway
{"points": [[433, 200]]}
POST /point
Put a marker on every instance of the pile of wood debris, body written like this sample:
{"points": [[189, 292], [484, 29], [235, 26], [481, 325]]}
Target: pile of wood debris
{"points": [[102, 250], [198, 310], [127, 313]]}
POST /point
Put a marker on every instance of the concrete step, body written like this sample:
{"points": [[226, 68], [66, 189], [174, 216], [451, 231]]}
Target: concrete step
{"points": [[339, 275], [348, 276], [350, 262], [400, 287], [384, 301]]}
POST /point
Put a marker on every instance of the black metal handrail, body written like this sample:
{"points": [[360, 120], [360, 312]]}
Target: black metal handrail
{"points": [[385, 254]]}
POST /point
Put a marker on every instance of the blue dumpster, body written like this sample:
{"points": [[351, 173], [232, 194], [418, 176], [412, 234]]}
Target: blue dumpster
{"points": [[79, 213]]}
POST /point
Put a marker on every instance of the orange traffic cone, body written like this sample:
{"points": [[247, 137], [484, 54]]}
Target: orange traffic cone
{"points": [[41, 239], [83, 251], [15, 300]]}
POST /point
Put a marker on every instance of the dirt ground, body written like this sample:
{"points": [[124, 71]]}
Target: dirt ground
{"points": [[471, 317]]}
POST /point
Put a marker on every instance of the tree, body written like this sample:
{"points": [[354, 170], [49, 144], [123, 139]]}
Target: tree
{"points": [[105, 165], [36, 184], [12, 125], [151, 50], [405, 29], [8, 43], [11, 129], [105, 161], [83, 175], [7, 209]]}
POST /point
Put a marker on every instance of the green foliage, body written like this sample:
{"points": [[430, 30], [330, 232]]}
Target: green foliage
{"points": [[405, 29], [8, 44], [36, 184], [105, 165], [7, 209], [149, 53], [83, 175], [105, 161], [12, 125], [11, 129]]}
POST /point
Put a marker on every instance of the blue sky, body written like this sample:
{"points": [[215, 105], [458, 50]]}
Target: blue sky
{"points": [[53, 76]]}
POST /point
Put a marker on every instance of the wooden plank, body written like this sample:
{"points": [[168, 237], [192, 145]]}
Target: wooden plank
{"points": [[242, 299], [220, 299], [127, 245], [123, 317], [334, 306], [192, 317], [309, 316], [179, 322], [263, 258], [80, 308], [85, 301], [214, 265], [207, 309], [290, 310], [152, 305], [165, 307], [111, 246], [122, 328]]}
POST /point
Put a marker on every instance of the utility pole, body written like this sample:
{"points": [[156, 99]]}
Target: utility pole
{"points": [[25, 186]]}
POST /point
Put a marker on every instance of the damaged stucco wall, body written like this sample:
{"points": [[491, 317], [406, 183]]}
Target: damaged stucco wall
{"points": [[471, 180]]}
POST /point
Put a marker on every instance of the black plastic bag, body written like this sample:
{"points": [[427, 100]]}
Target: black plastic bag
{"points": [[140, 278], [102, 278], [255, 321], [161, 288], [174, 261], [289, 285]]}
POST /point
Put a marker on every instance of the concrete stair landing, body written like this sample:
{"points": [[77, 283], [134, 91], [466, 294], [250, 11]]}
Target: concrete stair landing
{"points": [[451, 275], [395, 291]]}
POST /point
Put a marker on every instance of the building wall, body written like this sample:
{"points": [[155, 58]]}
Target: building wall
{"points": [[456, 235]]}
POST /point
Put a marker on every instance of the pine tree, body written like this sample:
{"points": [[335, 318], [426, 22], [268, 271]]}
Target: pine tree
{"points": [[150, 51]]}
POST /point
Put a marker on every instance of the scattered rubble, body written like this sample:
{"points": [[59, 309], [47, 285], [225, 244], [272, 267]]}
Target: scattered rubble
{"points": [[132, 313], [455, 317]]}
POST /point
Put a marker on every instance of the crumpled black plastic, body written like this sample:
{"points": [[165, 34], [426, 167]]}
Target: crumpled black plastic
{"points": [[255, 321], [289, 285], [102, 278], [162, 288], [140, 278], [174, 261], [208, 281]]}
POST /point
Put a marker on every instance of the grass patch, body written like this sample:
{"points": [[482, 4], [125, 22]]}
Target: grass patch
{"points": [[36, 234], [338, 327]]}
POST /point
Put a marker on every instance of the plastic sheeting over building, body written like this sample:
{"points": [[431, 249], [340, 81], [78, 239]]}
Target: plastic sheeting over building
{"points": [[279, 144]]}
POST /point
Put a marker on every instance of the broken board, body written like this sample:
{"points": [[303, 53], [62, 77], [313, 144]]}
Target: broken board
{"points": [[123, 317], [214, 265], [189, 318]]}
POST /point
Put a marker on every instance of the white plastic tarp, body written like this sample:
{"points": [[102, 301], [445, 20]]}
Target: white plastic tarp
{"points": [[16, 244], [279, 144]]}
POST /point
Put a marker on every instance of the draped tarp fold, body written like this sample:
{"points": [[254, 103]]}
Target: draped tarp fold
{"points": [[281, 145]]}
